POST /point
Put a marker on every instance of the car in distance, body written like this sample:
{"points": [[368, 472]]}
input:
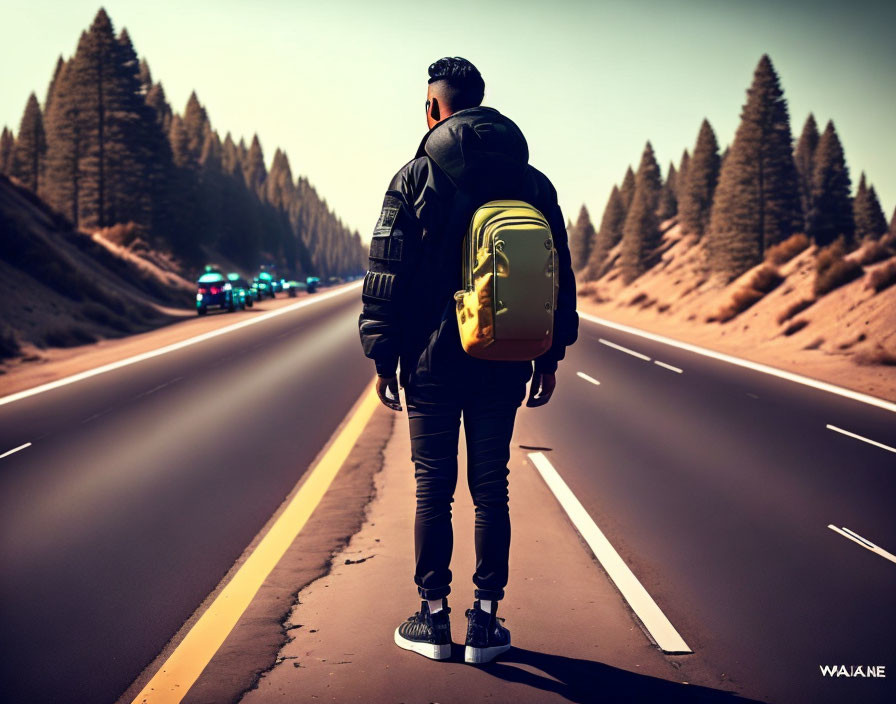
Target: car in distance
{"points": [[293, 287], [265, 285], [242, 289], [214, 291], [312, 282]]}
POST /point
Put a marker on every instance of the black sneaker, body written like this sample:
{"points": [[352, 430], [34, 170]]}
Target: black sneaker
{"points": [[425, 633], [486, 637]]}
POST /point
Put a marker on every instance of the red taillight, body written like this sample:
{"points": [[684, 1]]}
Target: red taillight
{"points": [[215, 289], [203, 289]]}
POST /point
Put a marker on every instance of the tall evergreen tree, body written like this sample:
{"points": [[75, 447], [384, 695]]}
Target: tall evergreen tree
{"points": [[253, 167], [65, 145], [867, 213], [31, 146], [608, 235], [804, 157], [60, 62], [581, 239], [627, 189], [7, 144], [830, 214], [756, 204], [640, 234], [683, 167], [703, 175], [668, 201], [649, 175]]}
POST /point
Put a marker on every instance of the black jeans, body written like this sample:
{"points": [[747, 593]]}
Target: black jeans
{"points": [[488, 410]]}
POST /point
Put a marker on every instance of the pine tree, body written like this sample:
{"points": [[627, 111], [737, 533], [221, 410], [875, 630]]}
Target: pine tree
{"points": [[683, 167], [627, 190], [581, 239], [703, 175], [756, 204], [868, 215], [804, 158], [830, 215], [65, 145], [7, 144], [30, 146], [640, 234], [253, 167], [608, 236], [649, 176], [668, 201]]}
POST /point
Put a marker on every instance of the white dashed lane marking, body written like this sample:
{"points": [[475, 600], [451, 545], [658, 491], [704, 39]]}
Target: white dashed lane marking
{"points": [[591, 379], [864, 542], [859, 437], [15, 449], [655, 622], [624, 349], [667, 366]]}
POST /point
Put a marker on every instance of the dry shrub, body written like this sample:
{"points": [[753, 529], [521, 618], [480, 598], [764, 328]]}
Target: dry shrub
{"points": [[815, 344], [9, 346], [794, 308], [795, 327], [849, 343], [876, 354], [640, 298], [662, 308], [589, 288], [763, 280], [872, 253], [832, 270], [785, 251], [882, 277], [67, 336]]}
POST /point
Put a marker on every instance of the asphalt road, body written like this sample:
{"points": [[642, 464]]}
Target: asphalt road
{"points": [[143, 485], [716, 485]]}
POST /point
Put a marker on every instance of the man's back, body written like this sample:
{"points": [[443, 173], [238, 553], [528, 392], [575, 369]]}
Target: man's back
{"points": [[474, 156]]}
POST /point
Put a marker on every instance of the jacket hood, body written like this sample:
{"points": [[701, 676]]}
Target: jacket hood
{"points": [[476, 147]]}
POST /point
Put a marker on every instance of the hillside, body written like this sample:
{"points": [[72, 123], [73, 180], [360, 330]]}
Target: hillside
{"points": [[846, 336], [63, 288]]}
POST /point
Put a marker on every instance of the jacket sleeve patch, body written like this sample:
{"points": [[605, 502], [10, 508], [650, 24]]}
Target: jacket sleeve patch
{"points": [[386, 249], [378, 285], [391, 206]]}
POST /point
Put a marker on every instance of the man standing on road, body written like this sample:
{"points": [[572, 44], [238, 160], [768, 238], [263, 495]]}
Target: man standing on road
{"points": [[471, 155]]}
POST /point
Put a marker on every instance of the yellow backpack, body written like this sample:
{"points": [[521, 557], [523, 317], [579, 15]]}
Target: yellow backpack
{"points": [[506, 309]]}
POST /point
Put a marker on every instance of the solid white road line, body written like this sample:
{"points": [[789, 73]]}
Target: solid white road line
{"points": [[864, 542], [591, 379], [624, 349], [654, 620], [175, 346], [14, 450], [667, 366], [755, 366], [859, 437]]}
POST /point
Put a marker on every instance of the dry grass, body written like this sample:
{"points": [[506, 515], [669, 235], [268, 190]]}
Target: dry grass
{"points": [[833, 270], [763, 280], [785, 251], [882, 277]]}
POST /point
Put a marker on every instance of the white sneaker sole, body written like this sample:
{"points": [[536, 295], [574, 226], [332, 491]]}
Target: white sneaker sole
{"points": [[427, 650], [480, 656]]}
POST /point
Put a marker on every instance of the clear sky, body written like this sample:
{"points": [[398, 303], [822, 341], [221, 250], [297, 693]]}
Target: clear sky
{"points": [[341, 85]]}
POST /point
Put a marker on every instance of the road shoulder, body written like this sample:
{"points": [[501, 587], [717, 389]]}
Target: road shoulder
{"points": [[574, 637]]}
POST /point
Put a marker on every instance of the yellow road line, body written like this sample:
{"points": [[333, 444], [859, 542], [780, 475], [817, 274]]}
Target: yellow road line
{"points": [[182, 668]]}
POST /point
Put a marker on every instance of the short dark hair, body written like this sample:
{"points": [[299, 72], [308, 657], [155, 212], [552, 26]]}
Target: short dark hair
{"points": [[465, 84]]}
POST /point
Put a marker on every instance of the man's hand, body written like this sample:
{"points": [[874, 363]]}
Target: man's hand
{"points": [[541, 389], [390, 384]]}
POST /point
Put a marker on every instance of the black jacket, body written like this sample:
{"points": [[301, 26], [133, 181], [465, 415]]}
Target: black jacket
{"points": [[472, 157]]}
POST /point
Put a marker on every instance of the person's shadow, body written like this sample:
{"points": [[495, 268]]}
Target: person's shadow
{"points": [[586, 681]]}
